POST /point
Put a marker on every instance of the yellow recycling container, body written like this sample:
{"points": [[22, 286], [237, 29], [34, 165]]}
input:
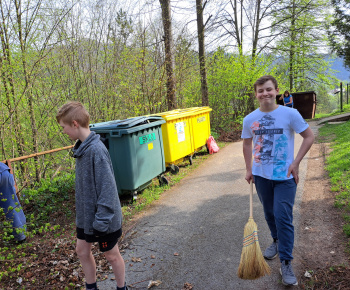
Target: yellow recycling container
{"points": [[200, 122], [185, 132]]}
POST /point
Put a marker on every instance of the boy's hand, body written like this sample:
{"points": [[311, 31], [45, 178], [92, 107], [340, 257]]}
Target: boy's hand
{"points": [[294, 169], [308, 139], [99, 234], [249, 176]]}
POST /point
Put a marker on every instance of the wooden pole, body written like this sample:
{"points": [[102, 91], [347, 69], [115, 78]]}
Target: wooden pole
{"points": [[341, 97], [37, 154], [8, 162]]}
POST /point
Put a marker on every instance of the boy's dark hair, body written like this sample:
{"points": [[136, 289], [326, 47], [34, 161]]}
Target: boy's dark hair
{"points": [[264, 79], [73, 111]]}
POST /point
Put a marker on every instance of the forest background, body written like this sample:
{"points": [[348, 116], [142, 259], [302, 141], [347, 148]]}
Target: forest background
{"points": [[131, 58]]}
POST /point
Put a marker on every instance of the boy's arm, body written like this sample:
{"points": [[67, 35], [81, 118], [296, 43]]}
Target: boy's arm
{"points": [[308, 140], [247, 153]]}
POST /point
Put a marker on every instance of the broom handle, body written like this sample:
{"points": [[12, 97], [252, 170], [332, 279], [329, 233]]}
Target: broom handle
{"points": [[251, 199]]}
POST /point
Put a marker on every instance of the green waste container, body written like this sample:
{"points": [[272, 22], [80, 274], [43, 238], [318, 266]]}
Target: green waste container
{"points": [[136, 149]]}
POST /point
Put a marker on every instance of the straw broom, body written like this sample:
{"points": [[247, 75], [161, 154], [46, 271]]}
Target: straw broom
{"points": [[253, 264]]}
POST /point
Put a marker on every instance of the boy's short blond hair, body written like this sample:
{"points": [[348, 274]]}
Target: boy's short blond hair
{"points": [[264, 79], [73, 111]]}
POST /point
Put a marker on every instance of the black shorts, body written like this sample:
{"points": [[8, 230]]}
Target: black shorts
{"points": [[106, 242]]}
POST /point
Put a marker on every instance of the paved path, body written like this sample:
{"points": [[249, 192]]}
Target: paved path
{"points": [[194, 232], [337, 118]]}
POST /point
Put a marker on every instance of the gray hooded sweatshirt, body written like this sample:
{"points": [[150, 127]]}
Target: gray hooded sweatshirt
{"points": [[96, 195]]}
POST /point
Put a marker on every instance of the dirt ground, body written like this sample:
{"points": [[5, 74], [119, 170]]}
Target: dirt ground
{"points": [[322, 246]]}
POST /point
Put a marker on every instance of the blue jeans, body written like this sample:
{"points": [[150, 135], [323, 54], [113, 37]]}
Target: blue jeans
{"points": [[277, 198], [11, 206]]}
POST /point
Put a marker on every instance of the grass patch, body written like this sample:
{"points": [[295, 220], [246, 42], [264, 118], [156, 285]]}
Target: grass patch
{"points": [[346, 109], [338, 166]]}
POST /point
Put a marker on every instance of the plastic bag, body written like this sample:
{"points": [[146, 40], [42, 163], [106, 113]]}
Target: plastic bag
{"points": [[212, 146]]}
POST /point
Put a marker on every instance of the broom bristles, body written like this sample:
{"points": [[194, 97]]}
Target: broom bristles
{"points": [[253, 264]]}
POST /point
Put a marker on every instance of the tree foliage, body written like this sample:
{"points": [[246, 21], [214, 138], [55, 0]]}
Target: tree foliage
{"points": [[300, 43], [112, 58], [231, 78], [340, 34]]}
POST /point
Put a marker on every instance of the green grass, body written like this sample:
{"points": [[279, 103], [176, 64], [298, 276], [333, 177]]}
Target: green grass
{"points": [[346, 109], [338, 166]]}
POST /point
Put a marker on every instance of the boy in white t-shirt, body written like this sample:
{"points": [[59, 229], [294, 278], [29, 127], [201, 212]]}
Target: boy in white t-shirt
{"points": [[268, 133]]}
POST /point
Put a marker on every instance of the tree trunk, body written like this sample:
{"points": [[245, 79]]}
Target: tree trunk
{"points": [[169, 55], [292, 48], [202, 65], [28, 93], [256, 29], [9, 87]]}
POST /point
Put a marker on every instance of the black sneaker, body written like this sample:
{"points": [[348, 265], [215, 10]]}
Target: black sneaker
{"points": [[123, 288]]}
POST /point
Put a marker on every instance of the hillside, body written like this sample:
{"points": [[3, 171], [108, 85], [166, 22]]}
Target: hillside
{"points": [[342, 73]]}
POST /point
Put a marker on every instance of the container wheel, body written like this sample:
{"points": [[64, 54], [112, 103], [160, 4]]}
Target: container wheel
{"points": [[134, 195], [190, 159], [162, 180], [174, 169], [206, 146]]}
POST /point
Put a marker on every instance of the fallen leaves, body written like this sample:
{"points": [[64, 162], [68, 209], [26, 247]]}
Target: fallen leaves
{"points": [[43, 263], [187, 286], [335, 277], [136, 260]]}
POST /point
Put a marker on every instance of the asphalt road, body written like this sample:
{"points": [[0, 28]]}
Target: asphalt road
{"points": [[194, 232]]}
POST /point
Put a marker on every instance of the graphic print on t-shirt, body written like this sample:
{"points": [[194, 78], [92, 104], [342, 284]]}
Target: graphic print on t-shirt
{"points": [[271, 146]]}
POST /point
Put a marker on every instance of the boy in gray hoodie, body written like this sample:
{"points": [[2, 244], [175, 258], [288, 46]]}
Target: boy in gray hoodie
{"points": [[98, 210]]}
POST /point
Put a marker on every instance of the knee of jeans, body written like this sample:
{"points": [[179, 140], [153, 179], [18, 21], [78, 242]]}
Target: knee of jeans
{"points": [[270, 218], [284, 220]]}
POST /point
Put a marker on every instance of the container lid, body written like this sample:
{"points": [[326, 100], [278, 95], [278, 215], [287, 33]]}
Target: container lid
{"points": [[184, 113], [127, 126], [103, 124]]}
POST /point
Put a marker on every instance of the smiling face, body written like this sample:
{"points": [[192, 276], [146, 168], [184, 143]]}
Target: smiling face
{"points": [[266, 95]]}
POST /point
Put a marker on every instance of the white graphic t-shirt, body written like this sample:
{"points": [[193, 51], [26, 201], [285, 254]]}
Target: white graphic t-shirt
{"points": [[273, 140]]}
